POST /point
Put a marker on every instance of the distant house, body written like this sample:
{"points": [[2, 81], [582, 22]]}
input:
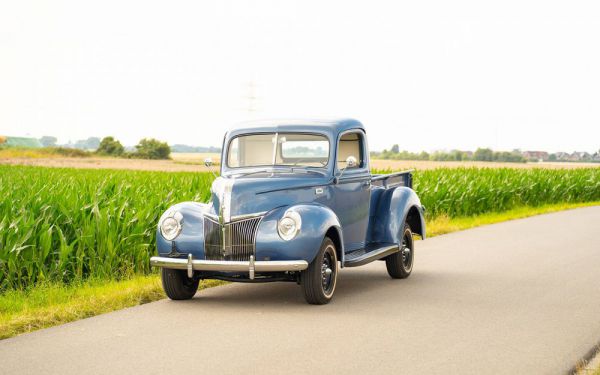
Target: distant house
{"points": [[580, 156], [535, 155], [20, 142]]}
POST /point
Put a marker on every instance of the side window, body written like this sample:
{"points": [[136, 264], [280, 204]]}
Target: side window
{"points": [[351, 144]]}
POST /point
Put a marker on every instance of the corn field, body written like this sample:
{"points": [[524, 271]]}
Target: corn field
{"points": [[67, 224], [62, 225], [471, 191]]}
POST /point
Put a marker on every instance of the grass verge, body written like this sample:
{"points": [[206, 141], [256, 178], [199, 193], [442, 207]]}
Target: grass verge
{"points": [[54, 304], [444, 224]]}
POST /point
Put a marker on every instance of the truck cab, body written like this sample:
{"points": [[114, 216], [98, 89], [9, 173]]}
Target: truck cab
{"points": [[295, 201]]}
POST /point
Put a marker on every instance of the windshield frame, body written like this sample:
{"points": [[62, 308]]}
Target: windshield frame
{"points": [[225, 155]]}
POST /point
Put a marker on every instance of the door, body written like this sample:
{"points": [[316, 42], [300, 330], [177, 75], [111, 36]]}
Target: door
{"points": [[352, 193]]}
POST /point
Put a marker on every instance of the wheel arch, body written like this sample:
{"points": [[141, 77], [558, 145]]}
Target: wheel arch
{"points": [[334, 233], [414, 218]]}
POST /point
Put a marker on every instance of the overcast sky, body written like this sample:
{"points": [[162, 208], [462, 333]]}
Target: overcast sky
{"points": [[426, 75]]}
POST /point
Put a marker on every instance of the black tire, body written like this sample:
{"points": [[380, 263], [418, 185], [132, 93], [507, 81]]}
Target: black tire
{"points": [[177, 285], [399, 265], [318, 284]]}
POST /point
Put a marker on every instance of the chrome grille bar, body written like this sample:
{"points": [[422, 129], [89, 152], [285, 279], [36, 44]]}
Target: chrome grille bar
{"points": [[231, 241], [213, 239]]}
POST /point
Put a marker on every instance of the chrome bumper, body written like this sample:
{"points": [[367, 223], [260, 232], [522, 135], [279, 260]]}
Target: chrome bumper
{"points": [[250, 266]]}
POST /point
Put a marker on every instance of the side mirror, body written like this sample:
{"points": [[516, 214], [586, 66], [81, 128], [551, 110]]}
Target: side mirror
{"points": [[351, 162], [208, 162]]}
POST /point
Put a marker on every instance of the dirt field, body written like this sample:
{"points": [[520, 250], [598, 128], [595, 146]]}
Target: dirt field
{"points": [[110, 163], [421, 164], [195, 163]]}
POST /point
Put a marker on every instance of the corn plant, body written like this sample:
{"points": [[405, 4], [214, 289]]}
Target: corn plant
{"points": [[63, 225]]}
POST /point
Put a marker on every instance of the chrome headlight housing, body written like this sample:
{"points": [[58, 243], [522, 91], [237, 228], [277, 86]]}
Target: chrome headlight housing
{"points": [[170, 226], [289, 225]]}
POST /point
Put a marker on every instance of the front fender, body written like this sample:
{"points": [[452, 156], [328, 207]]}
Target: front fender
{"points": [[191, 238], [317, 220], [397, 206]]}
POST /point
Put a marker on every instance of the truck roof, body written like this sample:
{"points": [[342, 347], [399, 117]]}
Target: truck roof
{"points": [[331, 126]]}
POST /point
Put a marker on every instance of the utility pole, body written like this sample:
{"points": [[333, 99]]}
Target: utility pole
{"points": [[251, 98]]}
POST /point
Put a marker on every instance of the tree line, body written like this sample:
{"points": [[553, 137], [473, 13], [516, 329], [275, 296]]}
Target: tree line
{"points": [[147, 148], [481, 154]]}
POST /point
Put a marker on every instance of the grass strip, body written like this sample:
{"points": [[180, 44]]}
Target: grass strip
{"points": [[48, 305], [444, 224], [53, 304]]}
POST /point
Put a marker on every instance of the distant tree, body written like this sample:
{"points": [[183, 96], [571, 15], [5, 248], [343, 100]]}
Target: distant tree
{"points": [[48, 141], [395, 149], [552, 157], [511, 157], [483, 154], [110, 146], [187, 148], [456, 155], [92, 143], [150, 148]]}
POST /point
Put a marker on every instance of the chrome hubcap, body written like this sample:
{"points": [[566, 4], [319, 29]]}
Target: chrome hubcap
{"points": [[326, 275]]}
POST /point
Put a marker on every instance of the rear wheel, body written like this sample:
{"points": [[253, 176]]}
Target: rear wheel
{"points": [[399, 265], [177, 285], [318, 281]]}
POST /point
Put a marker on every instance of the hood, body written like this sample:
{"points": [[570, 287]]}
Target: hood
{"points": [[249, 195]]}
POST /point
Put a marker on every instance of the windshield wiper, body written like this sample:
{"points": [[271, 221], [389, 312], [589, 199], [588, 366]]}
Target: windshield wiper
{"points": [[282, 170], [308, 170], [266, 170]]}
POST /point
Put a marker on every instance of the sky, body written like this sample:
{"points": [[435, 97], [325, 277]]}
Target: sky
{"points": [[426, 75]]}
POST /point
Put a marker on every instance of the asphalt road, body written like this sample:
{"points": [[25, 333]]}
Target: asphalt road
{"points": [[521, 297]]}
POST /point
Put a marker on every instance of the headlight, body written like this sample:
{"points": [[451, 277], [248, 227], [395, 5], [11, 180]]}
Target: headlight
{"points": [[171, 226], [289, 225]]}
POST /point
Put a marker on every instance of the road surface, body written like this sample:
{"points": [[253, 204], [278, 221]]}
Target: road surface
{"points": [[521, 297]]}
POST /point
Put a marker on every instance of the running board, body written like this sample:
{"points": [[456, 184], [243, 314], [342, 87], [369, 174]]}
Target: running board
{"points": [[369, 254]]}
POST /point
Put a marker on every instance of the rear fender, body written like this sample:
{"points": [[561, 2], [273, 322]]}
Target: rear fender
{"points": [[396, 207]]}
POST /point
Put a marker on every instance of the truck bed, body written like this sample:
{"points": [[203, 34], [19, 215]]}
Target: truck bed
{"points": [[392, 180]]}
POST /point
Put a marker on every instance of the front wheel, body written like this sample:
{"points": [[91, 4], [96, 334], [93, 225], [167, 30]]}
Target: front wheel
{"points": [[399, 265], [319, 279], [177, 285]]}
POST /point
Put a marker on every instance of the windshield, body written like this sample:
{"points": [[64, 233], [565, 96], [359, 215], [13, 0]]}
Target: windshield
{"points": [[278, 149]]}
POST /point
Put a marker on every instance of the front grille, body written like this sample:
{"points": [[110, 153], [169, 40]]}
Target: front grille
{"points": [[231, 241]]}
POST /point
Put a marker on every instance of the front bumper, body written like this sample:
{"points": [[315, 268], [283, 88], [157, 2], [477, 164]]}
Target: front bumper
{"points": [[250, 266]]}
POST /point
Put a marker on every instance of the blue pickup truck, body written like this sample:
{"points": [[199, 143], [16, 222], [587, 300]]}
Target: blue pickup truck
{"points": [[295, 201]]}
